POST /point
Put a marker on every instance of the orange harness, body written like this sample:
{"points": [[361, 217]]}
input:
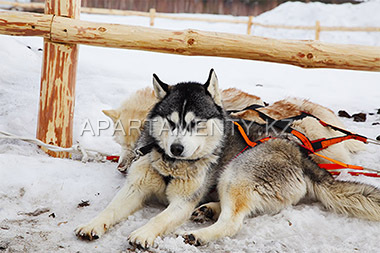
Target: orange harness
{"points": [[310, 146], [313, 146], [247, 140]]}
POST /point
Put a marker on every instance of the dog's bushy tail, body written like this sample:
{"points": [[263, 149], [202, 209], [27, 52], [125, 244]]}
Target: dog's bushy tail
{"points": [[351, 198]]}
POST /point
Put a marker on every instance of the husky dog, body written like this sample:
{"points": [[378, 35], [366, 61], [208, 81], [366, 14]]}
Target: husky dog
{"points": [[191, 147], [132, 114]]}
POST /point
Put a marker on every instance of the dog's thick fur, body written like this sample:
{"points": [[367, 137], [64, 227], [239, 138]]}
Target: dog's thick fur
{"points": [[186, 162], [133, 111]]}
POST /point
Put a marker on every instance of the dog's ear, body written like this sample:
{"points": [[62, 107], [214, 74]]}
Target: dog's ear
{"points": [[160, 88], [113, 114], [213, 88]]}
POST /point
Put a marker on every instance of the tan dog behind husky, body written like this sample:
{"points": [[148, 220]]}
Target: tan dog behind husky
{"points": [[132, 113]]}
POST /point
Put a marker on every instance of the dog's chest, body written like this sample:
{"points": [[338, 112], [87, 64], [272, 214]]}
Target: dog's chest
{"points": [[181, 169]]}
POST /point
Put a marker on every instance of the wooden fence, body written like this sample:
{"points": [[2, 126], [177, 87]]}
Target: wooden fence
{"points": [[62, 31], [225, 7], [249, 21]]}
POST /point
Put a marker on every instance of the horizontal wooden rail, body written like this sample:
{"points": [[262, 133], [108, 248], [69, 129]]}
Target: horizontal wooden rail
{"points": [[23, 5], [322, 28], [114, 12], [25, 24], [307, 54], [166, 16], [350, 29]]}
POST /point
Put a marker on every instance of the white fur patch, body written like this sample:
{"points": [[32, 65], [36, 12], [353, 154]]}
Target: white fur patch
{"points": [[198, 142], [190, 116], [175, 118]]}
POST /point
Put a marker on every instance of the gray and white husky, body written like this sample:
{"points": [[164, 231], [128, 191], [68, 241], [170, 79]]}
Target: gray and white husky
{"points": [[190, 146]]}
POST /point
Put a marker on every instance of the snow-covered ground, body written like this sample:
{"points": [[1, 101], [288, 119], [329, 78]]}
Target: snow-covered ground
{"points": [[29, 179]]}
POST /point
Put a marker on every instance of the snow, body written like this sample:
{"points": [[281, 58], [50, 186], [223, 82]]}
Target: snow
{"points": [[31, 180]]}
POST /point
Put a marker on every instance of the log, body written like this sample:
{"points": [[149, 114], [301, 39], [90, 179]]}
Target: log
{"points": [[23, 5], [114, 12], [322, 28], [349, 29], [27, 24], [166, 16], [214, 20], [308, 54], [57, 93]]}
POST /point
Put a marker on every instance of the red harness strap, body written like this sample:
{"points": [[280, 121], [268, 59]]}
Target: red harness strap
{"points": [[247, 140], [305, 141], [335, 169], [323, 143], [113, 158], [310, 147]]}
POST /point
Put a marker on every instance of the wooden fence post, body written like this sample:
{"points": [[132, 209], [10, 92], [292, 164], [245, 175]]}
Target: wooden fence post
{"points": [[249, 25], [152, 14], [317, 30], [57, 93]]}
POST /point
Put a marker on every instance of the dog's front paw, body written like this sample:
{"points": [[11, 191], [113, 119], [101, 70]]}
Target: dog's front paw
{"points": [[191, 239], [91, 231], [203, 213], [142, 238], [125, 160]]}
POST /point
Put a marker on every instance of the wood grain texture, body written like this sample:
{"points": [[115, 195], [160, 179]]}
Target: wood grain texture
{"points": [[166, 16], [27, 24], [307, 54], [57, 93]]}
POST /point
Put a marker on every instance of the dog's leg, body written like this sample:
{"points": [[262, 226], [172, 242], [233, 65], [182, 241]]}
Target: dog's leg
{"points": [[126, 158], [183, 196], [258, 189], [173, 216], [234, 208], [142, 181], [206, 212]]}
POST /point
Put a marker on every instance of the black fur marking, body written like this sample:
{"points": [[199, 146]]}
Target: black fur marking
{"points": [[167, 158], [194, 93], [163, 85], [167, 179]]}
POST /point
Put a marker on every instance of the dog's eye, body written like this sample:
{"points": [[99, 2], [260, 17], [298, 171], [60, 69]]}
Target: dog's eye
{"points": [[171, 124], [196, 124], [190, 126]]}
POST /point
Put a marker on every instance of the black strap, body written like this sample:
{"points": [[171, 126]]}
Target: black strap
{"points": [[250, 107], [146, 149], [333, 127], [283, 124]]}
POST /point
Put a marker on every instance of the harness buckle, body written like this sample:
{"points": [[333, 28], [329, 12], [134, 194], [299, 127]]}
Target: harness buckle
{"points": [[138, 154]]}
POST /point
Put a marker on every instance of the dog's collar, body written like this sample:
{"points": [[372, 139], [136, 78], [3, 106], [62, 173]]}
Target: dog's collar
{"points": [[145, 150]]}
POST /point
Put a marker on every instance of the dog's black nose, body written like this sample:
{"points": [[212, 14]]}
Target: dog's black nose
{"points": [[176, 149]]}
